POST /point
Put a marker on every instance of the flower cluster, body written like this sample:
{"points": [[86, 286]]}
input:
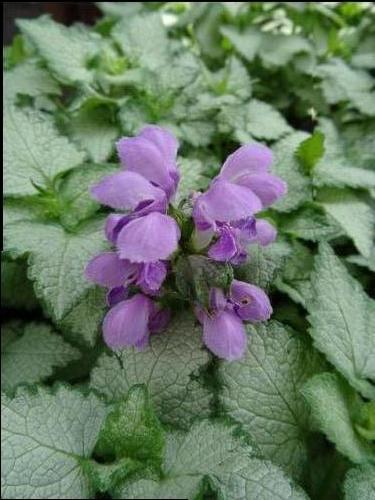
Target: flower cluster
{"points": [[145, 235]]}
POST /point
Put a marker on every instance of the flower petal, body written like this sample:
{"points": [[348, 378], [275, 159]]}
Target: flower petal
{"points": [[267, 187], [138, 154], [226, 246], [248, 159], [225, 202], [152, 276], [252, 303], [217, 299], [116, 295], [149, 239], [126, 190], [163, 139], [224, 334], [126, 324], [107, 269], [265, 232], [159, 321]]}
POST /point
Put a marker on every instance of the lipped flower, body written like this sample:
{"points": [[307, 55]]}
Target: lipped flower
{"points": [[227, 209], [223, 329], [153, 260]]}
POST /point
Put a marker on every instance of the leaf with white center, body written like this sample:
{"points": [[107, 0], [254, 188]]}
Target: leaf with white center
{"points": [[360, 483], [94, 131], [287, 167], [312, 224], [340, 313], [333, 403], [34, 152], [261, 391], [46, 437], [151, 51], [361, 261], [168, 368], [56, 258], [264, 263], [30, 352], [16, 290], [29, 79], [211, 449], [353, 214], [67, 51]]}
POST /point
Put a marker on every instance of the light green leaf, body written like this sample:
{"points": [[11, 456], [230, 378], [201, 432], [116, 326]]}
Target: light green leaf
{"points": [[211, 449], [83, 323], [57, 258], [192, 177], [247, 43], [265, 122], [168, 367], [151, 51], [34, 152], [360, 483], [312, 224], [288, 168], [342, 83], [30, 352], [333, 402], [29, 79], [353, 214], [295, 277], [67, 51], [120, 9], [361, 261], [46, 436], [95, 132], [264, 263], [261, 391], [16, 290], [340, 314], [342, 160], [74, 192]]}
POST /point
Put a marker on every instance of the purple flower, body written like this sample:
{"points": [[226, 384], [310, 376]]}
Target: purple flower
{"points": [[149, 238], [130, 322], [151, 276], [224, 334], [152, 154], [108, 270], [129, 191], [250, 302]]}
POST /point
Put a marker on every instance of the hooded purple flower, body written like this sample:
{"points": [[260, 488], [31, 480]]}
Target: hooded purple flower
{"points": [[250, 302], [243, 188], [130, 322], [152, 154]]}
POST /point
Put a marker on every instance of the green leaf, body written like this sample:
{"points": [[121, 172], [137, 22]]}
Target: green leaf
{"points": [[151, 51], [261, 391], [29, 79], [30, 352], [83, 323], [360, 483], [341, 205], [67, 51], [341, 83], [247, 43], [264, 263], [56, 258], [94, 131], [341, 163], [192, 177], [211, 449], [312, 224], [288, 168], [333, 402], [168, 367], [361, 261], [46, 436], [34, 152], [16, 290], [132, 429], [310, 151], [74, 192], [295, 277], [340, 314], [265, 122]]}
